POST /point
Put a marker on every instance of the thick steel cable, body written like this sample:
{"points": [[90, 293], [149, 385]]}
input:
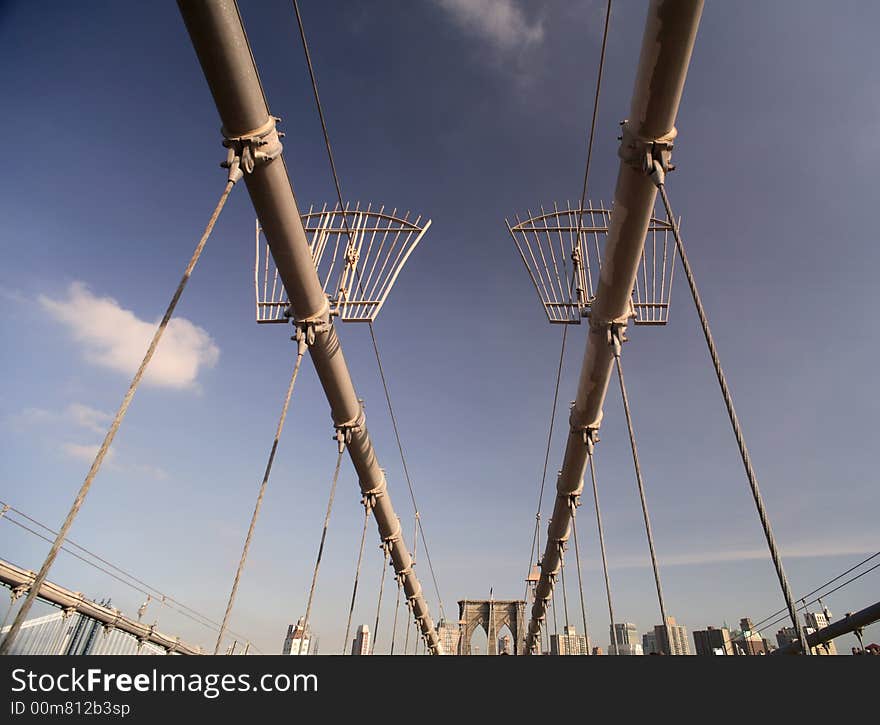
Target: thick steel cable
{"points": [[819, 589], [323, 537], [357, 574], [406, 630], [577, 555], [329, 147], [602, 549], [734, 421], [148, 590], [396, 610], [564, 595], [577, 237], [379, 603], [641, 485], [234, 175], [301, 348]]}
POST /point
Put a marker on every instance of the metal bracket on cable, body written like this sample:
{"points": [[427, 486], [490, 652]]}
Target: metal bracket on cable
{"points": [[616, 336], [355, 425], [110, 626], [307, 328], [18, 591], [173, 648], [648, 156], [259, 146], [67, 611]]}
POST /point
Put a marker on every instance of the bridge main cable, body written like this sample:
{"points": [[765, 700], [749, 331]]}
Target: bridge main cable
{"points": [[222, 47], [670, 32]]}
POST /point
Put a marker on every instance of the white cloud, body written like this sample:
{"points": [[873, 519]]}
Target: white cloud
{"points": [[75, 413], [85, 453], [500, 22], [115, 338]]}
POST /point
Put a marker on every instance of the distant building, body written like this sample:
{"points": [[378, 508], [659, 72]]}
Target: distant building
{"points": [[298, 639], [627, 640], [569, 642], [649, 644], [713, 641], [816, 621], [598, 651], [360, 645], [747, 641], [449, 634], [504, 647], [671, 639]]}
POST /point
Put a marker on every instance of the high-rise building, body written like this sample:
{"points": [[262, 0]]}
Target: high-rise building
{"points": [[569, 642], [298, 639], [626, 636], [360, 645], [748, 641], [449, 634], [814, 621], [713, 641], [504, 647], [676, 643], [649, 644]]}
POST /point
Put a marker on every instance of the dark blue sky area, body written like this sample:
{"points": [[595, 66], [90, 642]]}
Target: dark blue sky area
{"points": [[468, 113]]}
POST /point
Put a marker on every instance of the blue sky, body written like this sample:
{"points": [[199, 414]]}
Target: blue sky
{"points": [[466, 112]]}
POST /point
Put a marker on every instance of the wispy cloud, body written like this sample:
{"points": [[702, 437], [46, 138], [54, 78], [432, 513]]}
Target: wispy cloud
{"points": [[502, 23], [82, 452], [115, 338], [78, 414]]}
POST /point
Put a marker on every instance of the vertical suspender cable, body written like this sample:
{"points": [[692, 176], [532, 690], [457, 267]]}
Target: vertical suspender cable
{"points": [[734, 421], [234, 175], [301, 348], [394, 626]]}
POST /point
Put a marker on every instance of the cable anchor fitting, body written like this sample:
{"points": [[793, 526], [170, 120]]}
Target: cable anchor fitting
{"points": [[345, 430], [253, 148], [615, 336], [652, 157]]}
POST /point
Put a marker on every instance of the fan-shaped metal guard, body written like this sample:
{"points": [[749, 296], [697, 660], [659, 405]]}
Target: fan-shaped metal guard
{"points": [[564, 265], [358, 254]]}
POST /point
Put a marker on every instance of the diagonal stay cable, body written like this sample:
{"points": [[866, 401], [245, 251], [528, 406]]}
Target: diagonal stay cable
{"points": [[641, 487], [731, 412], [301, 348], [323, 536], [357, 574], [234, 175], [330, 157], [147, 588]]}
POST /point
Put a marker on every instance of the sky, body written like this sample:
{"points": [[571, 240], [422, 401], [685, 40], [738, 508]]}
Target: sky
{"points": [[468, 112]]}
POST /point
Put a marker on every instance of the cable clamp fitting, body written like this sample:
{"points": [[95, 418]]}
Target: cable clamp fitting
{"points": [[652, 157], [307, 328], [250, 149], [355, 425], [589, 434], [615, 336]]}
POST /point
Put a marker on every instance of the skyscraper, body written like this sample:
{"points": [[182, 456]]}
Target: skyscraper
{"points": [[676, 643], [298, 639], [627, 637], [569, 642], [360, 645], [449, 634], [713, 641]]}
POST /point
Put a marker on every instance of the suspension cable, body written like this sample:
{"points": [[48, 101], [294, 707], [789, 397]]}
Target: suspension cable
{"points": [[33, 591], [301, 348], [357, 572], [385, 550], [641, 486], [396, 610], [327, 144], [577, 237], [602, 549], [564, 595], [341, 439], [144, 588], [577, 555], [734, 421]]}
